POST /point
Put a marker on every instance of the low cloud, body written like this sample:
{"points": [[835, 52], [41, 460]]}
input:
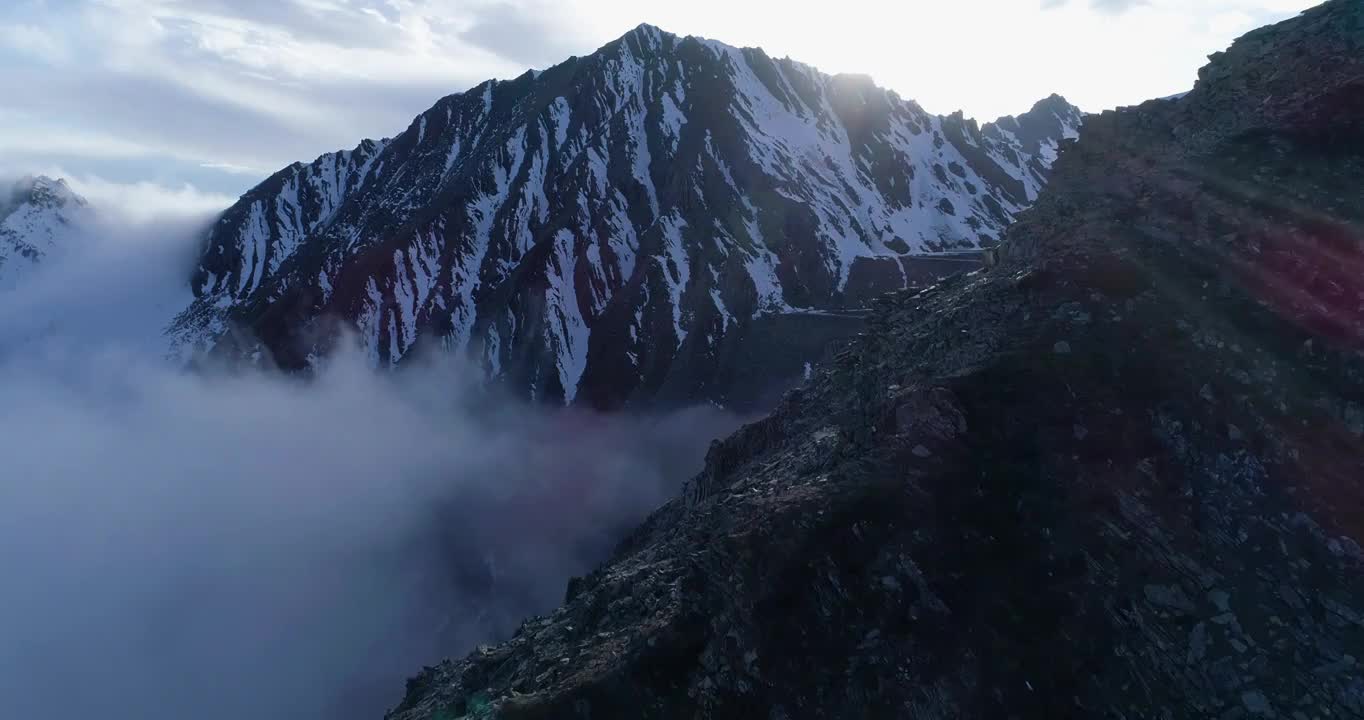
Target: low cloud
{"points": [[115, 277], [146, 202], [235, 169], [227, 547], [231, 545]]}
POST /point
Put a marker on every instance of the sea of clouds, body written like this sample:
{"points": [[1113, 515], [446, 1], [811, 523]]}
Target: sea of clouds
{"points": [[229, 545]]}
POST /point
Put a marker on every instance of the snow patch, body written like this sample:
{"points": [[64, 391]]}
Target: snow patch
{"points": [[568, 330], [676, 269], [673, 120]]}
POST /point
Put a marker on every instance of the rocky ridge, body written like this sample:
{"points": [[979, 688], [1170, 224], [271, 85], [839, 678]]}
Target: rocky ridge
{"points": [[1117, 474]]}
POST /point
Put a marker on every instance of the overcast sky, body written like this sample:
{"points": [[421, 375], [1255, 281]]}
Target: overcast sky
{"points": [[191, 102]]}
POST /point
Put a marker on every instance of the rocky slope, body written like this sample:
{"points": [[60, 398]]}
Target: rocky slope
{"points": [[39, 217], [1119, 474], [618, 228]]}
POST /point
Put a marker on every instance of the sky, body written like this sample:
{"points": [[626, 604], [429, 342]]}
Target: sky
{"points": [[186, 104]]}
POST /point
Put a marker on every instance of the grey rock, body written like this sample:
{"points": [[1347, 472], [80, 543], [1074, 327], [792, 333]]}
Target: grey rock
{"points": [[1198, 643], [1256, 702], [1171, 598]]}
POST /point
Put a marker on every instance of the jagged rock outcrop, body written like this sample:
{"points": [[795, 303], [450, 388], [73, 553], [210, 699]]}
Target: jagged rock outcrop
{"points": [[39, 217], [620, 228], [1118, 474]]}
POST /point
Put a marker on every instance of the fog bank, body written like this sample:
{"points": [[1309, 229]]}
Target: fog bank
{"points": [[258, 547], [249, 546]]}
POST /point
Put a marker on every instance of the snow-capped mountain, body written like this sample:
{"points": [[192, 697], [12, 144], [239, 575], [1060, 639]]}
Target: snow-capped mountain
{"points": [[39, 218], [624, 227]]}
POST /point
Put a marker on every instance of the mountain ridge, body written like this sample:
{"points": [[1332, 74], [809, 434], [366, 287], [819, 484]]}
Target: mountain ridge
{"points": [[608, 230], [39, 216]]}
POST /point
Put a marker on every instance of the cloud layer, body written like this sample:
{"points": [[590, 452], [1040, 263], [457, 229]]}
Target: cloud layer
{"points": [[219, 93], [248, 84], [230, 545], [248, 547]]}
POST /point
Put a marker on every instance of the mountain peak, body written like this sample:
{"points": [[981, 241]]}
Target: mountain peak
{"points": [[648, 29], [618, 225], [646, 35], [37, 218], [1052, 101], [44, 191], [1051, 119]]}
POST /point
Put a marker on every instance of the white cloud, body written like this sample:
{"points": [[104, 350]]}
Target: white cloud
{"points": [[224, 547], [235, 169], [23, 136], [34, 41], [232, 545], [988, 57], [258, 84], [143, 201]]}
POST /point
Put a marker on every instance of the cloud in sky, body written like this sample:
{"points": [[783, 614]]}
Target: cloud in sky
{"points": [[220, 84], [1266, 10], [528, 33], [1109, 6], [32, 40], [1116, 6], [220, 92]]}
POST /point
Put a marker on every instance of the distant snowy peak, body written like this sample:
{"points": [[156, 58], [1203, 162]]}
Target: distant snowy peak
{"points": [[39, 217], [612, 228], [1039, 131], [1049, 118]]}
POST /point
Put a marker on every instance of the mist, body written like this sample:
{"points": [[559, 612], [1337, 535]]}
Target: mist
{"points": [[226, 546], [115, 280]]}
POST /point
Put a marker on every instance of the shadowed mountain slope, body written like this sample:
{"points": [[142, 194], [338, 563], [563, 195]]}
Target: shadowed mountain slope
{"points": [[1118, 474]]}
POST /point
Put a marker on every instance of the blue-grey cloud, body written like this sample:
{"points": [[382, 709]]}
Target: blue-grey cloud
{"points": [[229, 546], [527, 35], [224, 548], [1115, 7], [232, 546], [359, 23], [202, 89]]}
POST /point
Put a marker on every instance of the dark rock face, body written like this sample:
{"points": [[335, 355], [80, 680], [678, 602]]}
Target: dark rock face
{"points": [[1118, 474], [608, 231]]}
